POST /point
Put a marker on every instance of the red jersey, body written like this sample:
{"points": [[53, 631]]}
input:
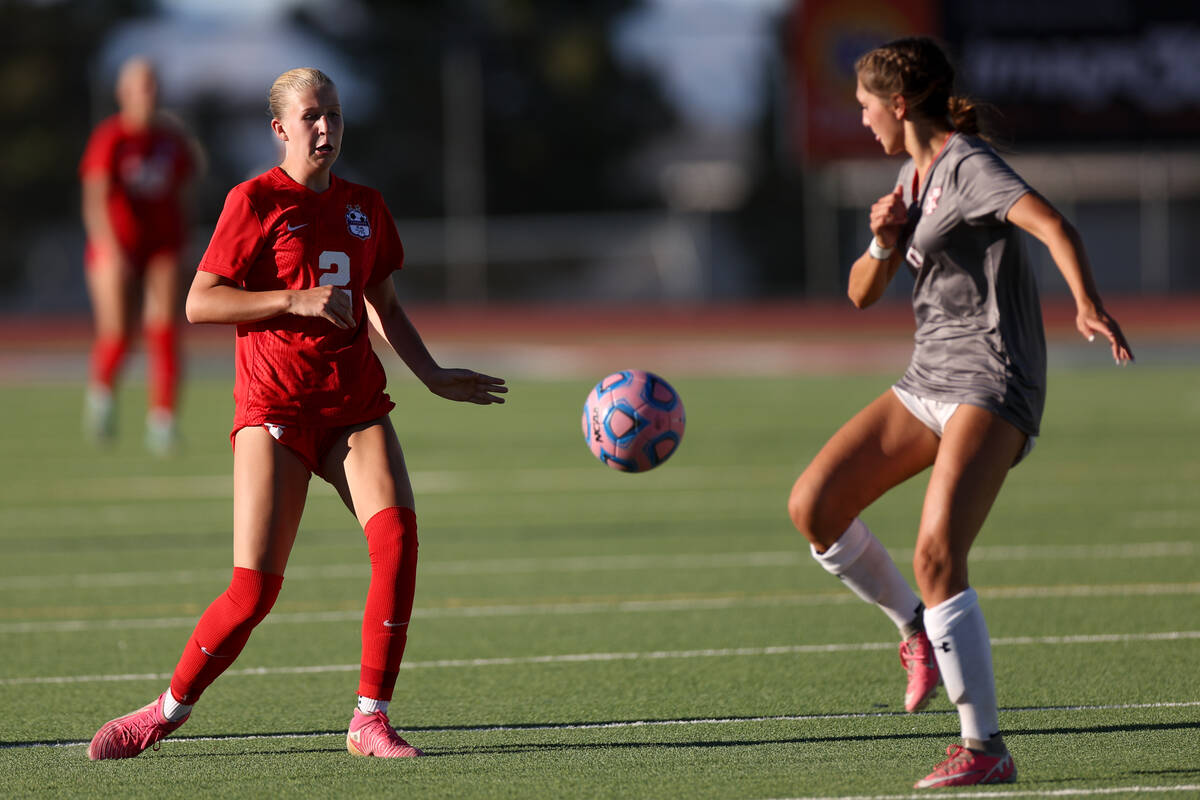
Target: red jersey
{"points": [[147, 170], [275, 233]]}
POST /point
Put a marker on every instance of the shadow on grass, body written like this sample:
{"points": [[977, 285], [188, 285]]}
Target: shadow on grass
{"points": [[1127, 728], [262, 748], [1179, 772], [952, 734]]}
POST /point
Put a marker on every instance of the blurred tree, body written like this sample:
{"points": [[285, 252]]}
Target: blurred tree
{"points": [[560, 116], [770, 224], [47, 115], [564, 117], [550, 123]]}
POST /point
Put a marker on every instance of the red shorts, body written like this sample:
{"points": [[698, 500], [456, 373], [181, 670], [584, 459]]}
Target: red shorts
{"points": [[139, 258], [310, 445]]}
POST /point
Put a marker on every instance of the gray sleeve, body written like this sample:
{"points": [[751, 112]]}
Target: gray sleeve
{"points": [[904, 178], [987, 188]]}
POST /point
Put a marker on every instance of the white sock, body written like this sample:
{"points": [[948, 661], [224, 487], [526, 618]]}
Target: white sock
{"points": [[174, 710], [369, 705], [964, 655], [863, 564]]}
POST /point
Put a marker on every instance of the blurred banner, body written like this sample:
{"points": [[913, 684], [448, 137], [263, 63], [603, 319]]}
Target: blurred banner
{"points": [[825, 39], [1111, 71]]}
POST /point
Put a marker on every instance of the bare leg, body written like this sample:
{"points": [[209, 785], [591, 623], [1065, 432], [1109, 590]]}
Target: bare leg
{"points": [[367, 469], [113, 293], [978, 448], [270, 486], [269, 489], [162, 292], [881, 446], [160, 314]]}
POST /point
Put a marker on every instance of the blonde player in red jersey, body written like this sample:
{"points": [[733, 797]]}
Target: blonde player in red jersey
{"points": [[135, 171], [300, 261]]}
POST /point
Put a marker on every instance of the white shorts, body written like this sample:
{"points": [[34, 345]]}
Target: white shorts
{"points": [[936, 413]]}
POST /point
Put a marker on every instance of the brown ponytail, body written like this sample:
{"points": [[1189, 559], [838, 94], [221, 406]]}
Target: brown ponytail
{"points": [[917, 69], [964, 115]]}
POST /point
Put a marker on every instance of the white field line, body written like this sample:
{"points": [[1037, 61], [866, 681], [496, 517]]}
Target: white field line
{"points": [[584, 658], [721, 504], [508, 566], [1180, 788], [665, 605], [651, 723], [581, 479]]}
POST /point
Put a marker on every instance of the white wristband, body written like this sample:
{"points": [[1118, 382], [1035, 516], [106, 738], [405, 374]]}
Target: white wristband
{"points": [[881, 253]]}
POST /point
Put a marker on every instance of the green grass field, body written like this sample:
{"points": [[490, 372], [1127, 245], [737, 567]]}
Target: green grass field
{"points": [[584, 633]]}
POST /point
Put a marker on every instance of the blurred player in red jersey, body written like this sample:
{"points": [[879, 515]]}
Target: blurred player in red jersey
{"points": [[300, 261], [135, 171]]}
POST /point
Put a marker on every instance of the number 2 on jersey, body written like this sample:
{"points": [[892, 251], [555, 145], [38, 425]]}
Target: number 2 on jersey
{"points": [[334, 266]]}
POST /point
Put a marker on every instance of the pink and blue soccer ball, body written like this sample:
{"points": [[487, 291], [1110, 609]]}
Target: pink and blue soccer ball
{"points": [[633, 420]]}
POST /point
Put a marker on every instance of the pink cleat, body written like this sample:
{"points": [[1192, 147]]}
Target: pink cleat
{"points": [[373, 735], [128, 736], [916, 654], [967, 767]]}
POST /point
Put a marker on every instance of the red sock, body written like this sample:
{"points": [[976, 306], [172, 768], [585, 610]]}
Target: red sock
{"points": [[162, 345], [392, 545], [107, 354], [223, 630]]}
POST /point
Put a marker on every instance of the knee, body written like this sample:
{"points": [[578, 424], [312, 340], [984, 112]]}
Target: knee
{"points": [[114, 336], [812, 514], [258, 611], [392, 537], [935, 566], [801, 508], [161, 332], [253, 593]]}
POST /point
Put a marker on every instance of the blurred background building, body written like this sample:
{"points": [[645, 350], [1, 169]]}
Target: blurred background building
{"points": [[616, 150]]}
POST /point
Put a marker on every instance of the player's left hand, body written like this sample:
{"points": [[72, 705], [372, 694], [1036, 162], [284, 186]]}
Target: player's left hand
{"points": [[1096, 320], [466, 386]]}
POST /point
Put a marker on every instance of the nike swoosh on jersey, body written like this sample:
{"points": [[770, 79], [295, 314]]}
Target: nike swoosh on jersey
{"points": [[291, 227]]}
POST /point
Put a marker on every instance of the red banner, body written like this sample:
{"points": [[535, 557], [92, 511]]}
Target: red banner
{"points": [[827, 37]]}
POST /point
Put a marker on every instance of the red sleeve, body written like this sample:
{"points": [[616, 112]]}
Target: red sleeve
{"points": [[237, 239], [389, 255], [98, 154]]}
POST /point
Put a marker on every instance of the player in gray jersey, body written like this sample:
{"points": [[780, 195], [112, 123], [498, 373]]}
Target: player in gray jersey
{"points": [[971, 400]]}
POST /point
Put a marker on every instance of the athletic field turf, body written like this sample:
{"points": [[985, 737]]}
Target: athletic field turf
{"points": [[585, 633]]}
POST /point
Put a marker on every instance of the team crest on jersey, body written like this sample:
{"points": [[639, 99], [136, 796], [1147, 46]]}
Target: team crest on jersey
{"points": [[931, 202], [915, 257], [357, 222]]}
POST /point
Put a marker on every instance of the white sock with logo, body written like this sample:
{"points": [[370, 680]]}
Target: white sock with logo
{"points": [[863, 564], [369, 705], [964, 655], [172, 709]]}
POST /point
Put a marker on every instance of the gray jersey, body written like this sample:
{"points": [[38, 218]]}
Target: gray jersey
{"points": [[979, 336]]}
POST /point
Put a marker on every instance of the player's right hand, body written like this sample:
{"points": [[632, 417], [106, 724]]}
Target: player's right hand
{"points": [[888, 217], [328, 302]]}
